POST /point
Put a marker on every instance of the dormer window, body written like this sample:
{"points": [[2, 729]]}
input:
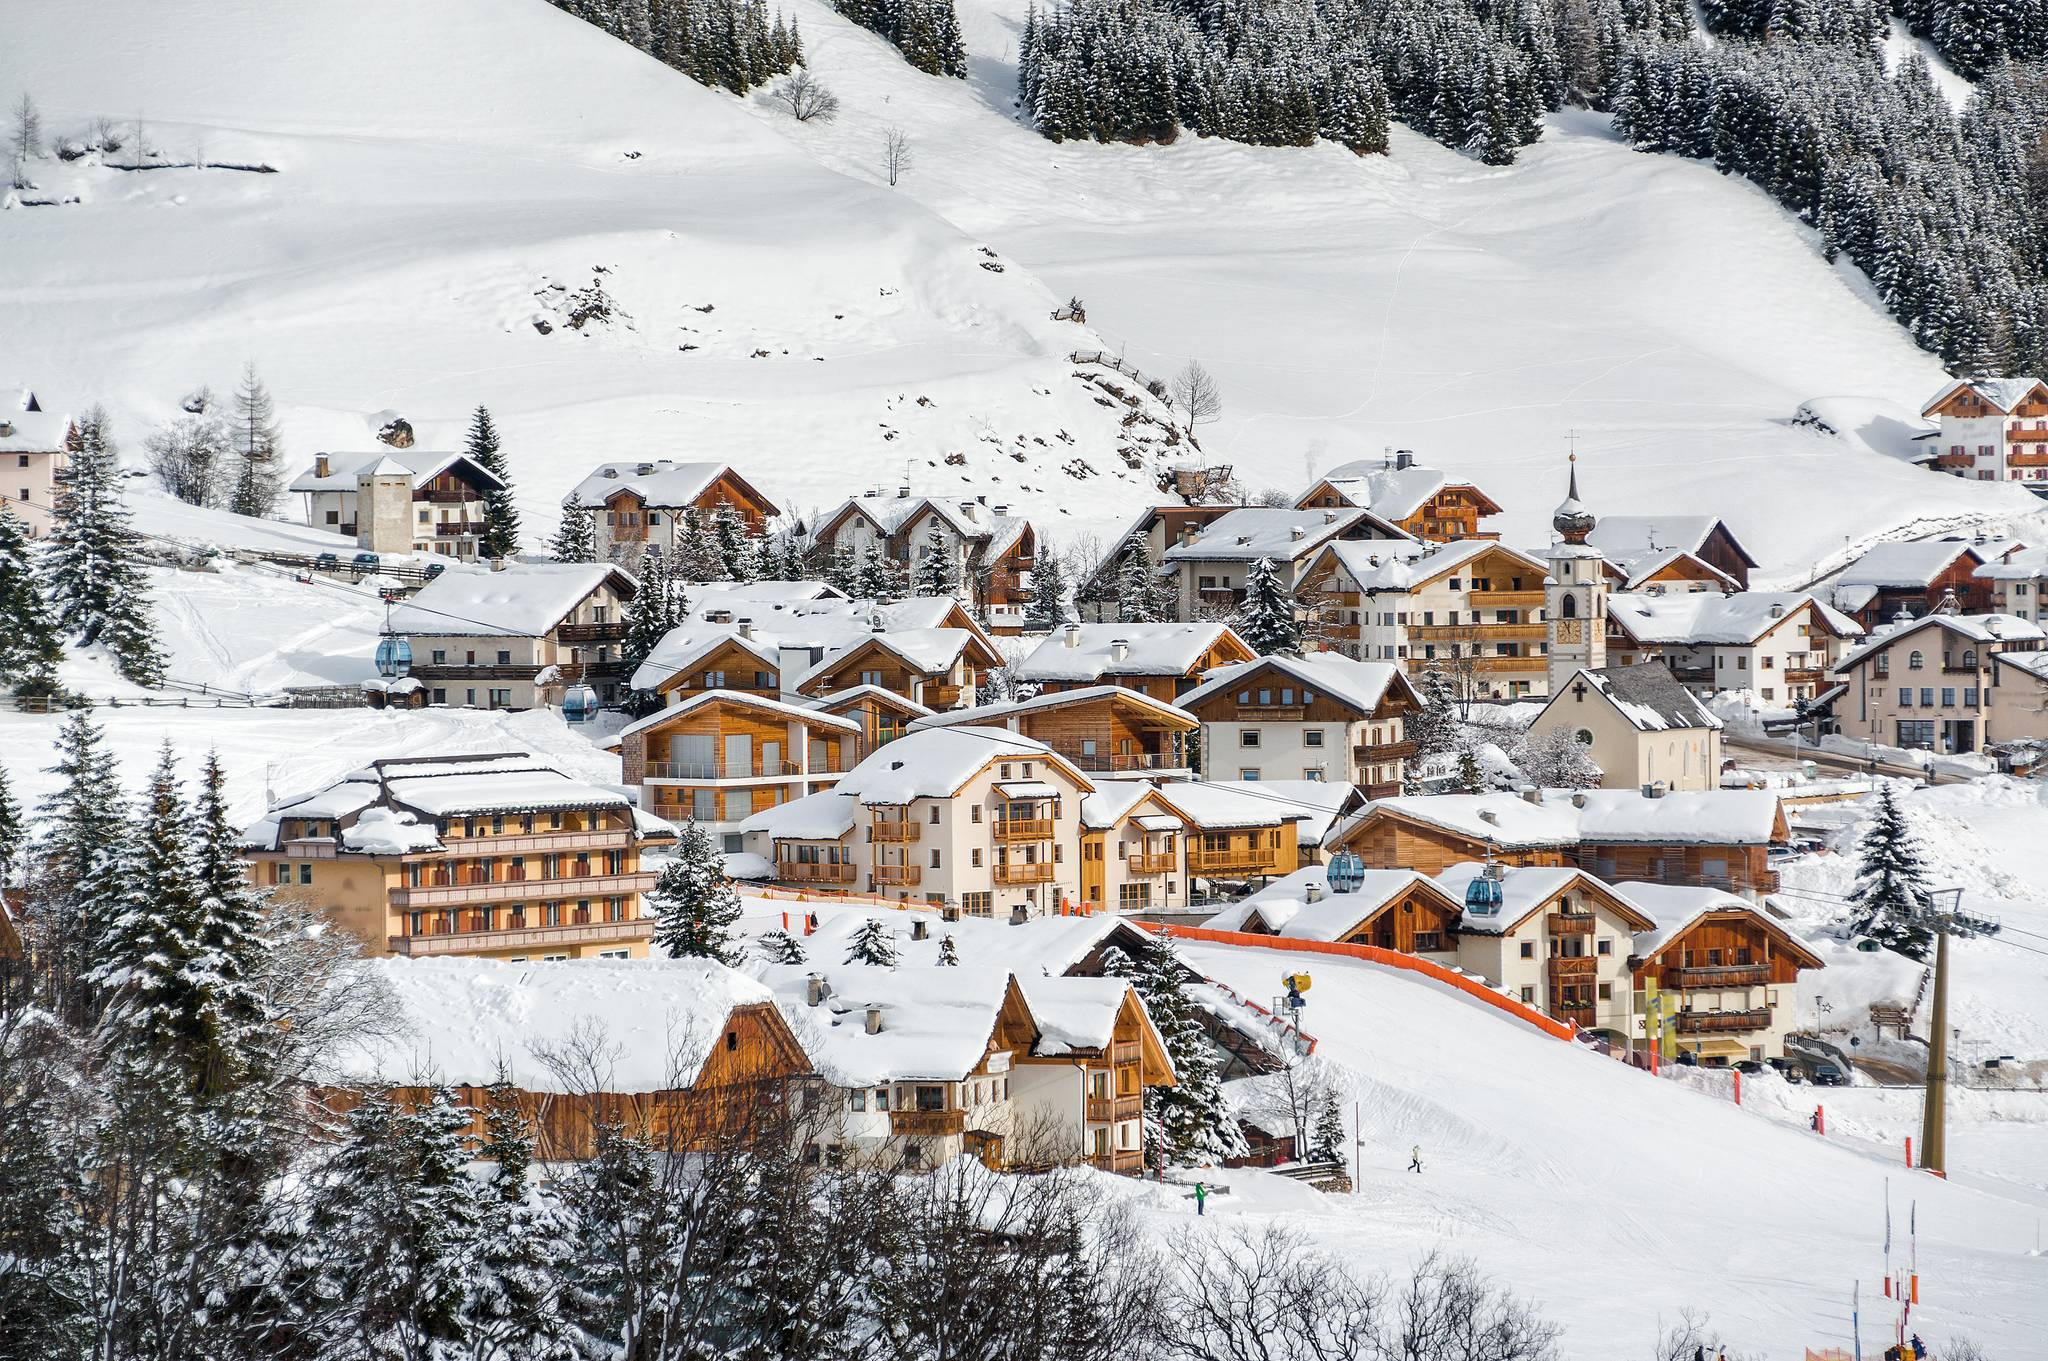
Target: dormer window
{"points": [[1916, 661]]}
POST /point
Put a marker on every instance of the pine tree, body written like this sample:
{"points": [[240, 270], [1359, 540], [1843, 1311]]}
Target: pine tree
{"points": [[649, 615], [1189, 1124], [729, 533], [780, 947], [696, 909], [501, 516], [1471, 779], [936, 572], [1327, 1146], [872, 944], [30, 646], [1141, 598], [513, 1310], [228, 938], [1888, 902], [1266, 620], [875, 577], [82, 857], [576, 537], [259, 453], [949, 954], [13, 832], [1048, 586], [94, 578], [697, 552]]}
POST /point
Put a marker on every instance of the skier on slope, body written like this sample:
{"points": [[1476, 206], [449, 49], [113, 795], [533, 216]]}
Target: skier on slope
{"points": [[1415, 1158]]}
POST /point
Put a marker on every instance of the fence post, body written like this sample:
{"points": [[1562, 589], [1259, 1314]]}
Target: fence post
{"points": [[1738, 1087]]}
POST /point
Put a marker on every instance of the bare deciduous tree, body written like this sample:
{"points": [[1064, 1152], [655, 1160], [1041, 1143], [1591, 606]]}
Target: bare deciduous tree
{"points": [[1198, 394], [189, 456], [25, 127], [896, 154], [806, 98]]}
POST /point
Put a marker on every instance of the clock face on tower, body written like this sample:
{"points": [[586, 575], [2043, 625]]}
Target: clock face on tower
{"points": [[1568, 631]]}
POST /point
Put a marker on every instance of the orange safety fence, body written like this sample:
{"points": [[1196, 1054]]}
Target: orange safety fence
{"points": [[798, 895], [1392, 959]]}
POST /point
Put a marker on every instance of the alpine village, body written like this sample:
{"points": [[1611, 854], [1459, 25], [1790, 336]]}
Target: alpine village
{"points": [[996, 842]]}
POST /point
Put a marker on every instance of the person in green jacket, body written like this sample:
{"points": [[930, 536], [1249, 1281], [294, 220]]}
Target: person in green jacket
{"points": [[1201, 1198]]}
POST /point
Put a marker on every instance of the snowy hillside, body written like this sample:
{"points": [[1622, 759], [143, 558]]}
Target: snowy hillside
{"points": [[448, 176]]}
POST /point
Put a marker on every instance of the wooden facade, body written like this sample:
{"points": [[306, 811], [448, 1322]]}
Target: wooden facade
{"points": [[1386, 840], [734, 665], [875, 662], [1723, 950], [1107, 732], [1164, 686], [1972, 593], [883, 715]]}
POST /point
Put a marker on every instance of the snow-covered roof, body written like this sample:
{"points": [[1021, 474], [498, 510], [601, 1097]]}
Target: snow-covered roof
{"points": [[1281, 533], [776, 708], [686, 645], [1086, 652], [971, 518], [741, 597], [2003, 394], [936, 1022], [1381, 566], [824, 816], [2025, 564], [1112, 801], [854, 694], [1073, 1015], [1033, 948], [1693, 618], [933, 763], [520, 600], [1905, 565], [930, 651], [1283, 907], [2033, 663], [1560, 818], [424, 465], [1219, 804], [1674, 907], [661, 483], [1640, 569], [467, 1020], [1395, 493], [1523, 889], [1974, 628], [1627, 538], [29, 428], [993, 715], [1362, 685], [1647, 695]]}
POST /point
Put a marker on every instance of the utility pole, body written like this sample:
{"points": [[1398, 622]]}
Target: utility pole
{"points": [[1934, 1112]]}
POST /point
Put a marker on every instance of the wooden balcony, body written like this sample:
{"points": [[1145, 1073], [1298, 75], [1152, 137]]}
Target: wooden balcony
{"points": [[1479, 631], [1722, 976], [942, 697], [529, 843], [590, 633], [1023, 829], [1271, 713], [927, 1124], [1113, 761], [895, 829], [1237, 860], [2016, 459], [458, 529], [1714, 1022], [1507, 600], [721, 770], [1104, 1109], [1126, 1052], [814, 872], [1129, 1161], [1369, 754], [1024, 872], [515, 938], [521, 890], [894, 874], [1573, 966], [1570, 923], [1578, 1013], [1802, 675], [1165, 862]]}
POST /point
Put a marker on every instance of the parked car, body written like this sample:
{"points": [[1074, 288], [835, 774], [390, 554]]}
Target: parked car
{"points": [[326, 562], [1827, 1074], [1787, 1069], [1750, 1066], [2001, 1061], [368, 562], [435, 569]]}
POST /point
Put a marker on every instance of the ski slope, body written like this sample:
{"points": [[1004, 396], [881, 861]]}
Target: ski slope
{"points": [[1617, 1199]]}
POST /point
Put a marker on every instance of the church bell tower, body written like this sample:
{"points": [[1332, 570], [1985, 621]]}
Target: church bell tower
{"points": [[1574, 592]]}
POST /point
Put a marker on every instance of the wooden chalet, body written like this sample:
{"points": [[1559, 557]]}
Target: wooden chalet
{"points": [[883, 715], [722, 659], [1421, 500], [1102, 729], [1162, 660], [1727, 973], [1644, 544], [936, 668]]}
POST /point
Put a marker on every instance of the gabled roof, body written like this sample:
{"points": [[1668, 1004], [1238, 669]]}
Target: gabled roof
{"points": [[1115, 800], [467, 1021], [933, 763], [1560, 819], [1087, 652], [971, 518], [1527, 890], [1646, 695], [30, 428], [662, 484], [995, 715], [824, 816], [1905, 566], [1221, 805], [1364, 686], [1672, 909], [841, 700], [1624, 538], [2022, 564], [740, 699], [1250, 533], [2002, 394], [423, 464], [1394, 566], [1970, 628], [688, 645], [926, 651], [1694, 618], [1394, 492], [1638, 570], [1283, 907], [936, 1022], [519, 600]]}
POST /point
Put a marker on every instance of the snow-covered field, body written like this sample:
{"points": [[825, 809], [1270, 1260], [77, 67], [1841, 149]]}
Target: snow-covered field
{"points": [[440, 167]]}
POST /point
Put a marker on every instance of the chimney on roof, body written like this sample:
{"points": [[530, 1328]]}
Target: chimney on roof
{"points": [[1777, 609], [1403, 459], [1579, 799], [1487, 815], [642, 470], [1019, 915], [321, 465], [874, 1020], [6, 429], [1315, 893], [1119, 649], [816, 990], [1187, 532], [1001, 509], [1330, 516], [919, 929], [1993, 627], [746, 629], [612, 473], [949, 914], [1531, 794], [1073, 635], [1654, 790], [903, 493], [1297, 533]]}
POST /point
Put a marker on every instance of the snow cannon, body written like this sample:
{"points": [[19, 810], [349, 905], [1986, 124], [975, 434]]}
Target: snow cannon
{"points": [[579, 704], [394, 656]]}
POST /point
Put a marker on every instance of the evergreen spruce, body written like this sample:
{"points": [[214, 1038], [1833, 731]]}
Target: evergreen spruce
{"points": [[696, 909], [1141, 597], [513, 1307], [576, 537], [1471, 779], [94, 577], [729, 534], [780, 947], [228, 939], [258, 450], [501, 516], [658, 606], [936, 572], [698, 556], [1327, 1145], [13, 832], [949, 954], [875, 577], [872, 944], [1189, 1124], [1048, 587], [81, 858], [30, 646], [1266, 620], [1888, 903]]}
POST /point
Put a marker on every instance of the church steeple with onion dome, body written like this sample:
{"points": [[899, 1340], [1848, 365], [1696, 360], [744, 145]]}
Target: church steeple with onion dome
{"points": [[1574, 591]]}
